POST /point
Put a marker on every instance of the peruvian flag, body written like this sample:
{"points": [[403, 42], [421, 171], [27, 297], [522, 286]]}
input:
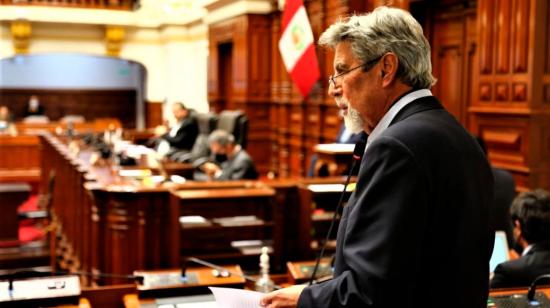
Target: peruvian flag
{"points": [[297, 48]]}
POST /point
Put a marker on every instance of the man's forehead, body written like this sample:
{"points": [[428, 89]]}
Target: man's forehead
{"points": [[343, 54]]}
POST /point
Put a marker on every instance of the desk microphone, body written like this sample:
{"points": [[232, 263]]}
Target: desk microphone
{"points": [[358, 152], [222, 270], [533, 287]]}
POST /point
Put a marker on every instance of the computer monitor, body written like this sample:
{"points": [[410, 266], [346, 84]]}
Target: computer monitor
{"points": [[500, 250]]}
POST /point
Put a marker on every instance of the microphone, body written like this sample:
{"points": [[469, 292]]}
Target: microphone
{"points": [[533, 287], [358, 152], [360, 146], [225, 272]]}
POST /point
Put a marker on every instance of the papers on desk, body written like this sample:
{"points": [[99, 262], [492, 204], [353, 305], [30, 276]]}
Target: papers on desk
{"points": [[320, 188], [237, 221], [342, 148], [236, 298], [194, 221]]}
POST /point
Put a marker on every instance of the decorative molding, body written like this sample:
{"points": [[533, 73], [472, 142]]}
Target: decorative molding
{"points": [[502, 92], [222, 10], [114, 37], [21, 33], [519, 92], [485, 92], [508, 139]]}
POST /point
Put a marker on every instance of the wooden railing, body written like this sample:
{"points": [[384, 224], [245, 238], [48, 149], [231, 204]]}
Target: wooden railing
{"points": [[129, 5]]}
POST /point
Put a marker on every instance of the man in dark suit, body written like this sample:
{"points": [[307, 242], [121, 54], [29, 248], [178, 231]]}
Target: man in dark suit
{"points": [[229, 161], [416, 230], [182, 135], [530, 214]]}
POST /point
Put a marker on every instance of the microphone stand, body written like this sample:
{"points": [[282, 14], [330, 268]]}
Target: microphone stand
{"points": [[358, 152], [533, 287], [221, 269]]}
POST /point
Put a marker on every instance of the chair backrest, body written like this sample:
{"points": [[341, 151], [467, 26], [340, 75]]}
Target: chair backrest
{"points": [[236, 123], [207, 123]]}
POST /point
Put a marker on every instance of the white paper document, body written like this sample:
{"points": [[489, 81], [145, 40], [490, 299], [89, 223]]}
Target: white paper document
{"points": [[236, 298]]}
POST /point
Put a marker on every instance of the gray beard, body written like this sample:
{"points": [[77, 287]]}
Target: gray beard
{"points": [[352, 119]]}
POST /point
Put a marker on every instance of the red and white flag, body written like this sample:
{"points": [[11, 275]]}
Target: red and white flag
{"points": [[297, 48]]}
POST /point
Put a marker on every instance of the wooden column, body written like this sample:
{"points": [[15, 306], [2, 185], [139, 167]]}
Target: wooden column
{"points": [[239, 77]]}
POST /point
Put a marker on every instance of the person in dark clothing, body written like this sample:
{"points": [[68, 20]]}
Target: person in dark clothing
{"points": [[182, 134], [416, 230], [34, 108], [228, 161], [530, 214]]}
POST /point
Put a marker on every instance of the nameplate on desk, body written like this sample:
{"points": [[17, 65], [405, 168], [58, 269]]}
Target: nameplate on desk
{"points": [[162, 279], [43, 287]]}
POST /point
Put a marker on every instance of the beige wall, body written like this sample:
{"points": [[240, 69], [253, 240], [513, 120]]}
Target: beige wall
{"points": [[174, 55]]}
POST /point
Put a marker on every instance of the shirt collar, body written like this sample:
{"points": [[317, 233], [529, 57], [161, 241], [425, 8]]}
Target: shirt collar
{"points": [[526, 250], [394, 110]]}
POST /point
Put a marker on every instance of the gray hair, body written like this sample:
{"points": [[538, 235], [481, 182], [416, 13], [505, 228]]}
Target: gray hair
{"points": [[221, 137], [386, 30]]}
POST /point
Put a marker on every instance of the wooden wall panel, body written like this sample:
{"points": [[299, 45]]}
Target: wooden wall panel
{"points": [[153, 116], [248, 38], [508, 107], [448, 45], [502, 45], [92, 104], [486, 18], [520, 31]]}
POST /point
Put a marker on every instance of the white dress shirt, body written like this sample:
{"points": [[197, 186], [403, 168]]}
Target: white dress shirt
{"points": [[388, 117]]}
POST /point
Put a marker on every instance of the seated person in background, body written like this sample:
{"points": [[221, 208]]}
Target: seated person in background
{"points": [[530, 213], [33, 107], [228, 161], [6, 122], [181, 135], [344, 136]]}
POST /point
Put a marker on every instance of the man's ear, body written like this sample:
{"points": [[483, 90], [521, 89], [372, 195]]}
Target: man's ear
{"points": [[390, 62], [518, 232]]}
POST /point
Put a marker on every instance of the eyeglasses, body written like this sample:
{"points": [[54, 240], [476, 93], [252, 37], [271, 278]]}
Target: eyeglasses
{"points": [[332, 78]]}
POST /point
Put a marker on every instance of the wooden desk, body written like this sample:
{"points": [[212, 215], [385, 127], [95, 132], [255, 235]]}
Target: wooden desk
{"points": [[204, 278], [113, 224], [300, 272], [215, 240], [337, 157], [20, 155], [498, 292]]}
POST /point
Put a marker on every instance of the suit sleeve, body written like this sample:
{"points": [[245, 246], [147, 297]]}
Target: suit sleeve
{"points": [[499, 278], [384, 221], [237, 170]]}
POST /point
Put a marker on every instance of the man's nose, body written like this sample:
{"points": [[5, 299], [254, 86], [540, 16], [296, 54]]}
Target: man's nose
{"points": [[334, 90]]}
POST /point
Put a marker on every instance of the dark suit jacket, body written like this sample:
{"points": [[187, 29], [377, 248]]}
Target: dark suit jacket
{"points": [[416, 231], [185, 136], [521, 272], [238, 168], [505, 192]]}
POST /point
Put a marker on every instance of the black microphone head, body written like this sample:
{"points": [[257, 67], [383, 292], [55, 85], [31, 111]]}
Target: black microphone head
{"points": [[359, 149]]}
